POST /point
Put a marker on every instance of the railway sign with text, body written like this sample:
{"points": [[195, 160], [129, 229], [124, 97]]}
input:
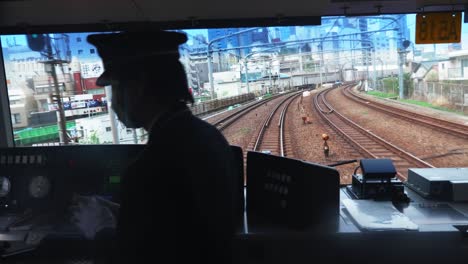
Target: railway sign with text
{"points": [[434, 28]]}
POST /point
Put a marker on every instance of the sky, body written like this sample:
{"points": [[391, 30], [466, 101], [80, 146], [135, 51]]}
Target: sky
{"points": [[20, 40], [194, 32]]}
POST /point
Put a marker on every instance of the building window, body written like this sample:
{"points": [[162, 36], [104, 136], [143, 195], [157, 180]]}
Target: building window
{"points": [[92, 51], [464, 65], [44, 105], [129, 131], [16, 119], [78, 39], [85, 69], [80, 52], [443, 66], [108, 129]]}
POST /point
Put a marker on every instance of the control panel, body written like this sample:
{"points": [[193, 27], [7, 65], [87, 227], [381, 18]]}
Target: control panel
{"points": [[46, 178], [291, 193]]}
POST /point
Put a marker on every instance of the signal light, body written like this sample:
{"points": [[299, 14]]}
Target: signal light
{"points": [[406, 44], [36, 42]]}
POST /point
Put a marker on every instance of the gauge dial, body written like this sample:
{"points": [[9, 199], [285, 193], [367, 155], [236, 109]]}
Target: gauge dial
{"points": [[5, 186], [39, 186]]}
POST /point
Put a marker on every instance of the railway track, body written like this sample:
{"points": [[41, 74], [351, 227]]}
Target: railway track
{"points": [[225, 119], [272, 134], [444, 126], [365, 142]]}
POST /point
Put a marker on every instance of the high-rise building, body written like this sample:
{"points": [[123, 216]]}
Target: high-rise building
{"points": [[366, 41], [225, 50], [260, 36], [285, 33], [81, 49], [222, 34], [239, 40], [405, 31]]}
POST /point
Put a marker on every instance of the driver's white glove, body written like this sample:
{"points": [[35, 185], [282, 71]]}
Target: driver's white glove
{"points": [[90, 214]]}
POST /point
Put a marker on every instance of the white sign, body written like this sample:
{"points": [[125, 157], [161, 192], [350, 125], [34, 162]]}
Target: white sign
{"points": [[78, 104], [53, 107], [81, 97], [91, 70]]}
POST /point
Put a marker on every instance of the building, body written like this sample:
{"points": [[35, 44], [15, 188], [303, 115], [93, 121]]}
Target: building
{"points": [[225, 41], [29, 81], [455, 66], [22, 104], [81, 49], [21, 64], [366, 41], [27, 72], [282, 34], [97, 130]]}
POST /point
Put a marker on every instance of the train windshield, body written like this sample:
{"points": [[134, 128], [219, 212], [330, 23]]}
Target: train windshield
{"points": [[350, 88]]}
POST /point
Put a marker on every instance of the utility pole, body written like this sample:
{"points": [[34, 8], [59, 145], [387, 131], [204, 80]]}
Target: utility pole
{"points": [[321, 63], [374, 70], [209, 56], [210, 74], [290, 75], [269, 76], [367, 71], [50, 64], [301, 66], [402, 59], [352, 60], [247, 75], [401, 53], [112, 117]]}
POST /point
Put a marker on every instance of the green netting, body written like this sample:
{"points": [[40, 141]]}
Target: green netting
{"points": [[39, 134]]}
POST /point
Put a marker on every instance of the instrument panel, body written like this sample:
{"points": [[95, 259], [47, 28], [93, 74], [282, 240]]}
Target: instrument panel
{"points": [[46, 178]]}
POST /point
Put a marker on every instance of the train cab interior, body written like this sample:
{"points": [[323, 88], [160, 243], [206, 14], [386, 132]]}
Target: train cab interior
{"points": [[371, 163]]}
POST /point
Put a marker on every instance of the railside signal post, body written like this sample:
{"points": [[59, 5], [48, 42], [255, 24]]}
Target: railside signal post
{"points": [[42, 43], [432, 28], [36, 42]]}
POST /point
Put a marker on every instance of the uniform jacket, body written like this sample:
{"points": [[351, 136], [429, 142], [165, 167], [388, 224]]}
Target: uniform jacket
{"points": [[178, 203]]}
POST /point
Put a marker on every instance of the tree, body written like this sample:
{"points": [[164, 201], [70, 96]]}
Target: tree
{"points": [[408, 84]]}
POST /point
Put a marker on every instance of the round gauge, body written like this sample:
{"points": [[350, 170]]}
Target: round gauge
{"points": [[5, 186], [39, 186]]}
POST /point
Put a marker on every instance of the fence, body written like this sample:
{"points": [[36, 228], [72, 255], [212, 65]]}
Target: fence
{"points": [[449, 95], [217, 104], [386, 85]]}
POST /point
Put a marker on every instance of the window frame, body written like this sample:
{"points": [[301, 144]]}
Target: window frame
{"points": [[6, 128]]}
